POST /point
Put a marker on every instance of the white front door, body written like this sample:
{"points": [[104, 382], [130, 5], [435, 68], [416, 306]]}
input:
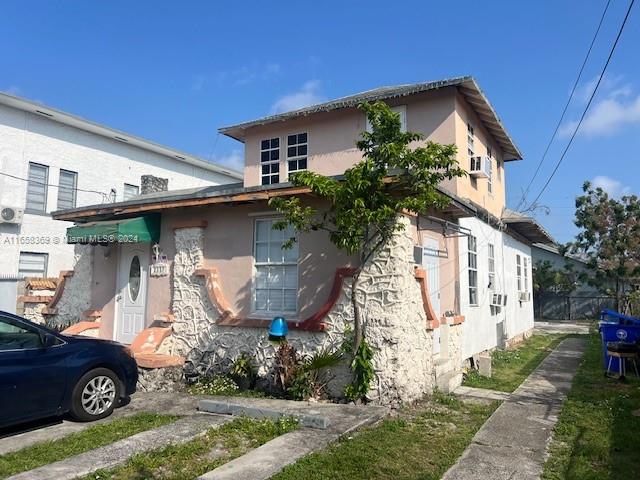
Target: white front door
{"points": [[131, 292], [431, 264]]}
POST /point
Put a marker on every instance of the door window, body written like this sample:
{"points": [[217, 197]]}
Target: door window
{"points": [[134, 278], [17, 337]]}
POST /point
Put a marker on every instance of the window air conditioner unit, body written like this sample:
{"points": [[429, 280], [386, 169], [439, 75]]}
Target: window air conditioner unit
{"points": [[480, 167], [11, 215], [496, 300], [524, 296]]}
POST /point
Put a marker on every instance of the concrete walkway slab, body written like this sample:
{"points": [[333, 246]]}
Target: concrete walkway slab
{"points": [[119, 452], [472, 393], [565, 326], [513, 441], [329, 422]]}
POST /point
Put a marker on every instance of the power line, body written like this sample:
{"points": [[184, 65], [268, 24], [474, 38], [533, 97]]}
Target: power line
{"points": [[104, 195], [566, 106], [584, 113]]}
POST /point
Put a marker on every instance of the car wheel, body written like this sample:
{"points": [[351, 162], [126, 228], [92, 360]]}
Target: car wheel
{"points": [[95, 395]]}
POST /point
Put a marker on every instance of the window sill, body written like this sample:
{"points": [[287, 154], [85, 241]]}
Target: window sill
{"points": [[37, 212]]}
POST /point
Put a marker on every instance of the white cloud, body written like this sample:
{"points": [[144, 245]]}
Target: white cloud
{"points": [[307, 95], [617, 108], [13, 90], [248, 74], [610, 185], [234, 160]]}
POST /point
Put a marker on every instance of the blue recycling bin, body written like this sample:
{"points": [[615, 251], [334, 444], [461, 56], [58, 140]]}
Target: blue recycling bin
{"points": [[616, 327]]}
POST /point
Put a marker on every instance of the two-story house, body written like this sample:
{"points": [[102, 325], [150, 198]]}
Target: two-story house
{"points": [[212, 272], [52, 160]]}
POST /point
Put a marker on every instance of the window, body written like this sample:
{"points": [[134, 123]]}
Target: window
{"points": [[473, 270], [130, 191], [519, 272], [67, 185], [37, 187], [401, 110], [276, 270], [471, 151], [525, 268], [499, 171], [33, 264], [270, 161], [297, 152], [492, 267], [15, 336], [490, 170]]}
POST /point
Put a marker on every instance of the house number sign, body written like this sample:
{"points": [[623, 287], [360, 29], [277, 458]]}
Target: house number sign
{"points": [[159, 264]]}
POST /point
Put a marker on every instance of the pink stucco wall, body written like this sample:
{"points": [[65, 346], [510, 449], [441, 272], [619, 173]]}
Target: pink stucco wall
{"points": [[332, 135]]}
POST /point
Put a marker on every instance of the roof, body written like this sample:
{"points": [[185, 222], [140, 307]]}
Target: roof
{"points": [[527, 227], [111, 133], [467, 86], [553, 248], [219, 194]]}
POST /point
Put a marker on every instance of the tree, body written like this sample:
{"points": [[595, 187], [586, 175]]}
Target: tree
{"points": [[609, 239], [547, 279], [393, 177]]}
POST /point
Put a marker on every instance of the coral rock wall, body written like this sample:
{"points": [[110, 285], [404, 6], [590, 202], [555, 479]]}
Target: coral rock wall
{"points": [[390, 300]]}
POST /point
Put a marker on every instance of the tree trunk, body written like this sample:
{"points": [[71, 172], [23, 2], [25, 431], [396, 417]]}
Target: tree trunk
{"points": [[358, 333]]}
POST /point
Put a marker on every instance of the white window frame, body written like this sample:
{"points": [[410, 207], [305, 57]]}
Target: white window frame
{"points": [[268, 312], [44, 184], [73, 188], [127, 195], [490, 170], [400, 110], [525, 269], [470, 140], [29, 272], [519, 272], [297, 158], [472, 268], [271, 163], [491, 261]]}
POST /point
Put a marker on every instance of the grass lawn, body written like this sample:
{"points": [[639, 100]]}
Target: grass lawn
{"points": [[93, 437], [597, 435], [510, 367], [189, 460], [421, 443]]}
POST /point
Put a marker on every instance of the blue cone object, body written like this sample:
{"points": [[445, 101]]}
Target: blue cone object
{"points": [[279, 328]]}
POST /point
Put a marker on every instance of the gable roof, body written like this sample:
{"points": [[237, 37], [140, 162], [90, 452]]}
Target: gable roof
{"points": [[111, 133], [467, 86]]}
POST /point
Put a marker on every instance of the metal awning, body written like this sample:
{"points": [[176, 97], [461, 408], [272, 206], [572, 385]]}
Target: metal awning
{"points": [[144, 229], [527, 227]]}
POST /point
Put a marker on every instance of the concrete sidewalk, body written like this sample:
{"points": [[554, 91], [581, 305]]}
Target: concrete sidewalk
{"points": [[512, 443]]}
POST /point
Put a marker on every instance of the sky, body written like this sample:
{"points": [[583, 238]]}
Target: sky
{"points": [[175, 72]]}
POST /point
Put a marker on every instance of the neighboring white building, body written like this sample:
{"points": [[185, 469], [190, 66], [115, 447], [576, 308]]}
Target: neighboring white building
{"points": [[51, 160]]}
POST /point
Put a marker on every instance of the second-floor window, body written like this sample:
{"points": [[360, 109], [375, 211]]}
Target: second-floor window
{"points": [[470, 140], [130, 191], [297, 152], [37, 188], [270, 161], [67, 185], [490, 170], [473, 269]]}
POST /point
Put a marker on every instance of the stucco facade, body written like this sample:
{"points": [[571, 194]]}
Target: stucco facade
{"points": [[102, 166]]}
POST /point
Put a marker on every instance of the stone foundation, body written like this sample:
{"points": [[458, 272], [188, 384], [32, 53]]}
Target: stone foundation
{"points": [[519, 338], [169, 379]]}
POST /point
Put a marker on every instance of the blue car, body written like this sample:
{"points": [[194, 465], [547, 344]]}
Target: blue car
{"points": [[44, 373]]}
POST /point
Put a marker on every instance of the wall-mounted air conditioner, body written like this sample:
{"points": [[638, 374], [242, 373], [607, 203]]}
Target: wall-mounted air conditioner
{"points": [[11, 215], [524, 296], [479, 166]]}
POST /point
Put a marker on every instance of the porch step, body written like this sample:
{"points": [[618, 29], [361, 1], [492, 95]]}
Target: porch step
{"points": [[448, 382]]}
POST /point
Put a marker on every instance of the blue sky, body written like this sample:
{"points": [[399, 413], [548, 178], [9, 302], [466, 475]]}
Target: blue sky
{"points": [[175, 72]]}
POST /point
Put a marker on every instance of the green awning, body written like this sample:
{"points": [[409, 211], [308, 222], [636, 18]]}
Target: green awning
{"points": [[144, 229]]}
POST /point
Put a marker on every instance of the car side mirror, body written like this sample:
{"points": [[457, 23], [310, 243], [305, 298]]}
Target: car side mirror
{"points": [[48, 340]]}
